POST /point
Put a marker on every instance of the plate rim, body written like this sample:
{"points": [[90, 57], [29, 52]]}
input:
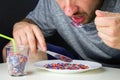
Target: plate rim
{"points": [[99, 65]]}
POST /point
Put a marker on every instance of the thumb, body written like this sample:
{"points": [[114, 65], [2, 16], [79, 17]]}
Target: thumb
{"points": [[100, 13]]}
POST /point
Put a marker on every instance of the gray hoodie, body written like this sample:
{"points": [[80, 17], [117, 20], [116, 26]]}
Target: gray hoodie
{"points": [[84, 40]]}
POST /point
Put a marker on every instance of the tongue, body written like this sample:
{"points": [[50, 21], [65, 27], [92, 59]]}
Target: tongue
{"points": [[78, 20]]}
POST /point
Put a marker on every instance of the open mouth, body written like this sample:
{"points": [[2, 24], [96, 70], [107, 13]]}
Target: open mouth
{"points": [[78, 19]]}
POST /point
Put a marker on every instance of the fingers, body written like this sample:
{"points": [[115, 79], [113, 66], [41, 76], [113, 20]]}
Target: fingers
{"points": [[17, 37], [100, 13], [107, 19], [40, 38], [104, 18], [31, 38], [24, 38], [110, 31], [108, 26], [29, 34], [20, 35], [108, 38], [113, 42]]}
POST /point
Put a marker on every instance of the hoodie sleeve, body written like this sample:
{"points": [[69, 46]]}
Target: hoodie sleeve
{"points": [[42, 17]]}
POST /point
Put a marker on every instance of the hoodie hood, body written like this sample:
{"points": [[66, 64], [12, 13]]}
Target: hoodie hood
{"points": [[111, 5]]}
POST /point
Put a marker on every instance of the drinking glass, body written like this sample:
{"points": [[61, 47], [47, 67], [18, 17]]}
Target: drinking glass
{"points": [[17, 59]]}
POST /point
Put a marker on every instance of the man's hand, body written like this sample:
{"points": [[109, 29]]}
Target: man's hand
{"points": [[26, 33], [108, 26]]}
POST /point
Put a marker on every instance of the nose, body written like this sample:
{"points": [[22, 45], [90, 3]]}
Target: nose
{"points": [[70, 7]]}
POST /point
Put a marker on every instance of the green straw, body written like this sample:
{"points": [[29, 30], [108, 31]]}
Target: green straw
{"points": [[11, 39]]}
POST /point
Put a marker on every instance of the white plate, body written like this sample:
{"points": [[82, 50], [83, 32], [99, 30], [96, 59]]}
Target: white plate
{"points": [[90, 64]]}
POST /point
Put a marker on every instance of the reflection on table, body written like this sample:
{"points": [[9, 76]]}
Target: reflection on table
{"points": [[34, 73]]}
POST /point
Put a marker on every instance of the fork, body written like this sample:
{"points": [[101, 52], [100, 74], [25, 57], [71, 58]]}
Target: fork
{"points": [[58, 56]]}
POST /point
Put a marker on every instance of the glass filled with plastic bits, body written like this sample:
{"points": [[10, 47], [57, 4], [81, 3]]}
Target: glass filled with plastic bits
{"points": [[17, 59]]}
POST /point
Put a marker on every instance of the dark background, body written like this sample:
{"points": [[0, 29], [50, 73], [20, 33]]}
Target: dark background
{"points": [[12, 11]]}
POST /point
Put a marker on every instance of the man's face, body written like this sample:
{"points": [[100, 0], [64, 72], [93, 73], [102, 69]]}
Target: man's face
{"points": [[80, 11]]}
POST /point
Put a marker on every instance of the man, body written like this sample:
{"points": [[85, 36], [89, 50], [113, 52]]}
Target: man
{"points": [[65, 16]]}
